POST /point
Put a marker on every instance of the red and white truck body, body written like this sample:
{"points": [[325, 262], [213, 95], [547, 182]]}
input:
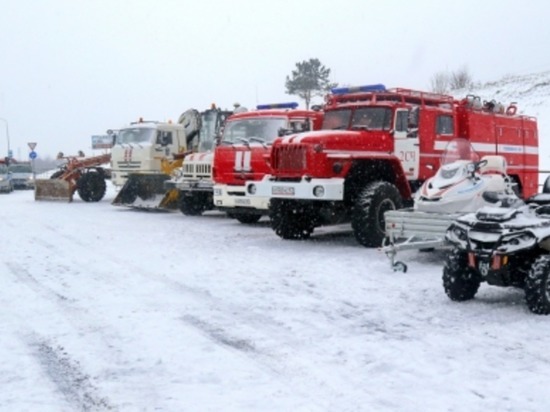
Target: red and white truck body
{"points": [[242, 154], [376, 148]]}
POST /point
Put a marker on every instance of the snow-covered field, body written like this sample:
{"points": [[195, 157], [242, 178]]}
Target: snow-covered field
{"points": [[105, 308]]}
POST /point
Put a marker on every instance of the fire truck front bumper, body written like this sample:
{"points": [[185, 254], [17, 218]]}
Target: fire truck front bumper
{"points": [[232, 197], [193, 185], [307, 188]]}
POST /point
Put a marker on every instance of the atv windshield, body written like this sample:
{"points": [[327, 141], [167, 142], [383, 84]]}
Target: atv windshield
{"points": [[459, 149], [135, 135], [264, 129]]}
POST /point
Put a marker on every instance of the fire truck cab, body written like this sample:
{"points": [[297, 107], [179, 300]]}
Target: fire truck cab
{"points": [[242, 154], [376, 148]]}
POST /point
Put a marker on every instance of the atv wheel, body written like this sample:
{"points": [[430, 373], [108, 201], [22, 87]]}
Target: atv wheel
{"points": [[191, 204], [247, 218], [459, 280], [91, 187], [291, 220], [368, 221], [537, 286]]}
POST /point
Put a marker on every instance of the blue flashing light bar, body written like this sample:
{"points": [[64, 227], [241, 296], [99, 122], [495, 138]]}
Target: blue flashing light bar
{"points": [[290, 105], [356, 89]]}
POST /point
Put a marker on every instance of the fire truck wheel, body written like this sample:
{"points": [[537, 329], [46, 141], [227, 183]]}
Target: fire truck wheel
{"points": [[537, 286], [191, 204], [91, 187], [291, 220], [248, 218], [459, 280], [373, 201]]}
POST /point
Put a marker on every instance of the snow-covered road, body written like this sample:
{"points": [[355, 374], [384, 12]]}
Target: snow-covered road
{"points": [[105, 308]]}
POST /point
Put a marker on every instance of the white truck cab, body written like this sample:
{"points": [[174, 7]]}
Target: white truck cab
{"points": [[141, 146]]}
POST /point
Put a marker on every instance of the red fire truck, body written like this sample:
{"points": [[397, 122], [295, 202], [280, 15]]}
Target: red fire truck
{"points": [[242, 152], [376, 148]]}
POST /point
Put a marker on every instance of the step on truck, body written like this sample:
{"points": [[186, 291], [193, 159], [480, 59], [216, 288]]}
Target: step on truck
{"points": [[376, 148], [243, 150]]}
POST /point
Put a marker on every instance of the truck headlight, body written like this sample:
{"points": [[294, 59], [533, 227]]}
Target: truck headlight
{"points": [[251, 189], [318, 191]]}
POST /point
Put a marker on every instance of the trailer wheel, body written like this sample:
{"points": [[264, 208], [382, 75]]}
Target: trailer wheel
{"points": [[368, 221], [537, 286], [91, 187], [191, 204], [291, 220], [459, 280], [247, 218]]}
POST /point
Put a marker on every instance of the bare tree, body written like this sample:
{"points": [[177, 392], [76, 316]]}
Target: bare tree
{"points": [[461, 79], [439, 83]]}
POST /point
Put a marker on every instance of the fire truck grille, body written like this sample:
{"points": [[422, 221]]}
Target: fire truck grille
{"points": [[197, 170], [290, 158]]}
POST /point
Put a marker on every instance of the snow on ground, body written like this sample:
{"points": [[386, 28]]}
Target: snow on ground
{"points": [[105, 308]]}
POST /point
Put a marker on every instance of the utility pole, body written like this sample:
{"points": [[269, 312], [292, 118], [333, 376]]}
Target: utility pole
{"points": [[10, 154]]}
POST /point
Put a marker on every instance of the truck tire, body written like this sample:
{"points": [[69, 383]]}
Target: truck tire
{"points": [[537, 286], [191, 204], [291, 220], [459, 280], [367, 220], [248, 218], [91, 187]]}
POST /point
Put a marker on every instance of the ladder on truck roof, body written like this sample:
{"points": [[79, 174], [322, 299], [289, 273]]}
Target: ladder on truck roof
{"points": [[398, 95]]}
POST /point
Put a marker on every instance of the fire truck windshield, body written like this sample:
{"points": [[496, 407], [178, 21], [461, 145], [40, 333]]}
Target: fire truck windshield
{"points": [[372, 118], [264, 128], [336, 119], [136, 135]]}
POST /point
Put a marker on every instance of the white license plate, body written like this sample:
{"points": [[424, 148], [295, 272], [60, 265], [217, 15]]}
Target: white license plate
{"points": [[282, 190], [242, 202]]}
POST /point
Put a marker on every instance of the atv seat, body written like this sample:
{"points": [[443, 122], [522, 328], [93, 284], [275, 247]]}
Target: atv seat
{"points": [[495, 165]]}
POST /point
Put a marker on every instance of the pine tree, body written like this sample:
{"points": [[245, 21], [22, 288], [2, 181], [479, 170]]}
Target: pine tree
{"points": [[310, 78]]}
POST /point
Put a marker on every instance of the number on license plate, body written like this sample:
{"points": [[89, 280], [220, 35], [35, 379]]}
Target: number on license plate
{"points": [[282, 190]]}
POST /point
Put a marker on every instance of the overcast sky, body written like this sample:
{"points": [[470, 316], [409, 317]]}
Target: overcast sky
{"points": [[74, 68]]}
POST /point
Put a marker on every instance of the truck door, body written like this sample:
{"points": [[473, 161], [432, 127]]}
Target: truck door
{"points": [[406, 143]]}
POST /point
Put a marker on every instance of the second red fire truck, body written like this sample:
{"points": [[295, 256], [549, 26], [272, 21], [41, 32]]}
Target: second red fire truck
{"points": [[376, 147]]}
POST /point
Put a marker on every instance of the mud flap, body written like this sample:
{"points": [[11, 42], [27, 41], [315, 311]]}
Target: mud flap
{"points": [[53, 189], [142, 192]]}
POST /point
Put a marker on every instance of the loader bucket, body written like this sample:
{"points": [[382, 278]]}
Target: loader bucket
{"points": [[142, 191], [53, 189]]}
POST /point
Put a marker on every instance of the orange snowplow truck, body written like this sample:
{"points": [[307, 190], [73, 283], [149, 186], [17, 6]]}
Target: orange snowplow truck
{"points": [[376, 148]]}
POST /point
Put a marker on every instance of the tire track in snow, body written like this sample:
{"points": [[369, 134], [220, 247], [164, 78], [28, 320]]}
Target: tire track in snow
{"points": [[67, 375]]}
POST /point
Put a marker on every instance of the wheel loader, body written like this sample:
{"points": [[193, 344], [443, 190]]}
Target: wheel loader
{"points": [[81, 174], [147, 189]]}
